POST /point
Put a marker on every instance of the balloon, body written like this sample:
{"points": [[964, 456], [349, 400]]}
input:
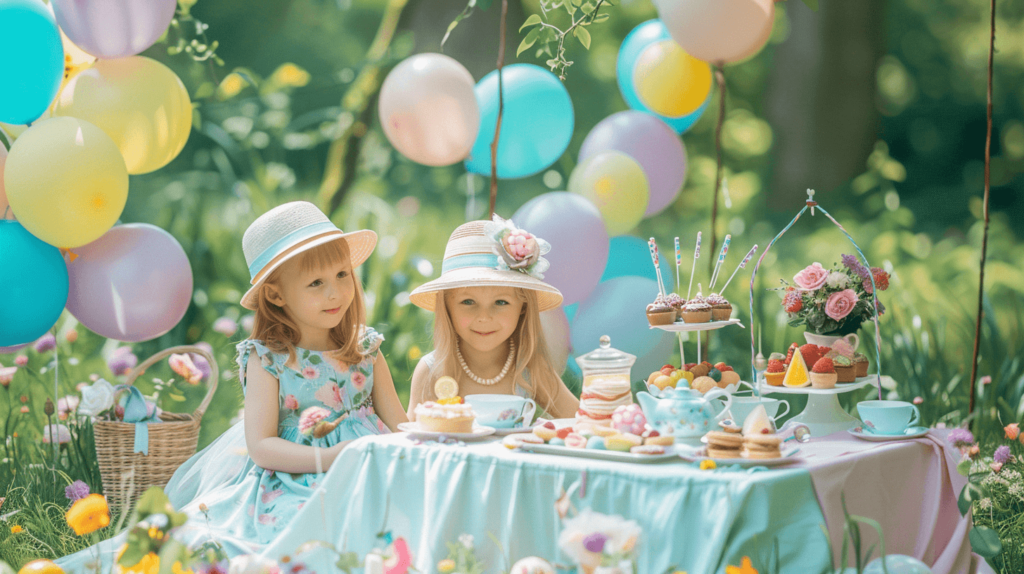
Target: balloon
{"points": [[133, 284], [140, 103], [5, 212], [656, 357], [618, 308], [428, 109], [536, 125], [555, 325], [33, 60], [718, 31], [67, 181], [629, 256], [616, 184], [669, 81], [114, 28], [632, 48], [649, 141], [13, 349], [35, 285], [578, 251]]}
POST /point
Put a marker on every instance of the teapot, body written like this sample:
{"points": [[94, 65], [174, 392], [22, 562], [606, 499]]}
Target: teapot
{"points": [[682, 412]]}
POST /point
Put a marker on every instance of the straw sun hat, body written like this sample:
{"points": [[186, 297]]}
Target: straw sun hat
{"points": [[491, 254], [289, 229]]}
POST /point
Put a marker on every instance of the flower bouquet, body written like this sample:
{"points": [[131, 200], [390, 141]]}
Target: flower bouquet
{"points": [[599, 543], [833, 302]]}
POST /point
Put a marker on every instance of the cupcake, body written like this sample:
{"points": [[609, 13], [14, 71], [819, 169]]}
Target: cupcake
{"points": [[697, 311], [660, 312], [823, 374], [449, 418], [776, 373], [677, 303], [845, 370], [860, 363], [721, 310]]}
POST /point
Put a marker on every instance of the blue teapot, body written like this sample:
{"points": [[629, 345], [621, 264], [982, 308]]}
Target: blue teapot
{"points": [[683, 412]]}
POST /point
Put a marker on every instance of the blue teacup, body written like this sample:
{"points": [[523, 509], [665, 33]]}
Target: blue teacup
{"points": [[502, 411], [888, 417]]}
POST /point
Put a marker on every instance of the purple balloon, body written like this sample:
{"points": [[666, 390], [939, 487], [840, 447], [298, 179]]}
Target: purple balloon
{"points": [[15, 348], [579, 241], [133, 284], [652, 143], [114, 28]]}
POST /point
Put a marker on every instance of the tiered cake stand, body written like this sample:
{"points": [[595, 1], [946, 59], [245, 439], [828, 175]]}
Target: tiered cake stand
{"points": [[823, 414]]}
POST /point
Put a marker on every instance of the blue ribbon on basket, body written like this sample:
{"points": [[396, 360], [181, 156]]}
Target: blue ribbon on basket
{"points": [[136, 411]]}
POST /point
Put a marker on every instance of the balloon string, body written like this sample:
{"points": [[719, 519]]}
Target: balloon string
{"points": [[501, 109], [720, 78]]}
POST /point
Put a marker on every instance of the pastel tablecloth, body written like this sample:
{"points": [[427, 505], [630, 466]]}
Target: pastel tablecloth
{"points": [[693, 520]]}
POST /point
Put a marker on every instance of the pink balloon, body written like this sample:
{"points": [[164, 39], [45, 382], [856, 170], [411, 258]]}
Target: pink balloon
{"points": [[718, 31], [579, 241], [652, 143], [114, 28], [133, 284]]}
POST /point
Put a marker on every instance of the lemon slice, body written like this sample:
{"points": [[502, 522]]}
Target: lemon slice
{"points": [[797, 375], [446, 388]]}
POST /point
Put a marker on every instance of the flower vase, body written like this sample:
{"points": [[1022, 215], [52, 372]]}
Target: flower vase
{"points": [[828, 340]]}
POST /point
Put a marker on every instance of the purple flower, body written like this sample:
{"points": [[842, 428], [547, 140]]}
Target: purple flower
{"points": [[77, 490], [46, 343], [961, 438], [1002, 454], [595, 542], [122, 360]]}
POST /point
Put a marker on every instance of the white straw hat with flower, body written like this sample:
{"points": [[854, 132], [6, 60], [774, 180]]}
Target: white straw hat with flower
{"points": [[491, 254], [288, 230]]}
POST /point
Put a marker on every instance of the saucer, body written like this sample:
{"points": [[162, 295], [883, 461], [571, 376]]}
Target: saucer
{"points": [[908, 433], [479, 431]]}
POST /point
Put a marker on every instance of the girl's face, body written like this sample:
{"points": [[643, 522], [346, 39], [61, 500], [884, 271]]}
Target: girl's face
{"points": [[484, 317], [315, 298]]}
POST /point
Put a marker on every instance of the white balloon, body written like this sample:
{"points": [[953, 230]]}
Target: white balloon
{"points": [[718, 31], [428, 109]]}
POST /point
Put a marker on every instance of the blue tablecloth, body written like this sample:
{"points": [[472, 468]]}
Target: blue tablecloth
{"points": [[693, 520]]}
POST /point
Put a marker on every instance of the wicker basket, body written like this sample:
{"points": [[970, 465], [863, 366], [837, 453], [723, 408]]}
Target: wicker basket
{"points": [[127, 474]]}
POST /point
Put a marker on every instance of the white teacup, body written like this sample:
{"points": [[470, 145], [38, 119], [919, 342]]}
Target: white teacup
{"points": [[742, 407], [502, 411]]}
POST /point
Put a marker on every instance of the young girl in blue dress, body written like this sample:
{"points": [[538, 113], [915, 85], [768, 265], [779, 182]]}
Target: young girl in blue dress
{"points": [[314, 381]]}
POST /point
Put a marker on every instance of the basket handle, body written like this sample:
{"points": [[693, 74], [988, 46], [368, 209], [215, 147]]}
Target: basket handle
{"points": [[211, 384]]}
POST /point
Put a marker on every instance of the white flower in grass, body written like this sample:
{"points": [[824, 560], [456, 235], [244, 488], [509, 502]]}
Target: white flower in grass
{"points": [[985, 503], [467, 541], [837, 280], [96, 398]]}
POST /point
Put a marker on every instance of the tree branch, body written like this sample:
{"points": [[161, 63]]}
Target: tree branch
{"points": [[501, 108]]}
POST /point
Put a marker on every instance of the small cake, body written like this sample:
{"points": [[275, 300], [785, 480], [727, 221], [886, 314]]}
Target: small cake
{"points": [[652, 436], [661, 312], [452, 418], [761, 446], [546, 431], [845, 371], [721, 309], [575, 441], [796, 374], [776, 373], [648, 449], [724, 444], [860, 362], [729, 377], [677, 303], [696, 311], [823, 374], [622, 442], [601, 397]]}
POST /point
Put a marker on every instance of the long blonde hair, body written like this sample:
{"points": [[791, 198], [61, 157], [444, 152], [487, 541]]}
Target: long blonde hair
{"points": [[544, 383], [280, 333]]}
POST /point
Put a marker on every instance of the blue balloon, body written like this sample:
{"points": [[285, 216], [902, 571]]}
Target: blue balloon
{"points": [[617, 308], [35, 286], [639, 39], [536, 124], [630, 256], [32, 61]]}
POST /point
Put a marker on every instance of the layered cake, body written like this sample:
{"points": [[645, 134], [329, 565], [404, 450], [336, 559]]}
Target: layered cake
{"points": [[455, 417], [601, 396]]}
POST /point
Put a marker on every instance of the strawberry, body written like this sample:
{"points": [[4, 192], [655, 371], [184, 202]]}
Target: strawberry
{"points": [[789, 354], [564, 432], [776, 366], [549, 425], [810, 353], [722, 367]]}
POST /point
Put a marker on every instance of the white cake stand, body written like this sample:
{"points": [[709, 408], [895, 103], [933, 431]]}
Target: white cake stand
{"points": [[681, 327], [823, 414]]}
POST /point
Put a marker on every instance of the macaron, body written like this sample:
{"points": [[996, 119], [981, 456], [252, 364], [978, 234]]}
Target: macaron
{"points": [[575, 440], [556, 442], [596, 443]]}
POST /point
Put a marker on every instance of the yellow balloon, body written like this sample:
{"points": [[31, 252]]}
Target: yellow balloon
{"points": [[669, 81], [140, 103], [67, 181], [41, 567], [616, 184]]}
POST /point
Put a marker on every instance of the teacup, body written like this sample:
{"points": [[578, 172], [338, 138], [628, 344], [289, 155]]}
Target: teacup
{"points": [[887, 417], [743, 406], [502, 411]]}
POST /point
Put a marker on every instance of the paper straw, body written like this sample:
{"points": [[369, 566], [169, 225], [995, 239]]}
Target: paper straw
{"points": [[696, 256], [718, 264], [657, 270], [741, 266], [679, 261]]}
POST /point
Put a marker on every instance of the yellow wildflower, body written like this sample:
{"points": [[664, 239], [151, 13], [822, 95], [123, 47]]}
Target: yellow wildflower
{"points": [[445, 566], [291, 75], [415, 353], [176, 569], [745, 567], [150, 564], [231, 86], [708, 464], [16, 529], [89, 514]]}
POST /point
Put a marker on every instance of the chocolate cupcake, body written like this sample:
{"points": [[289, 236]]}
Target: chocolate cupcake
{"points": [[860, 362], [721, 310], [696, 312], [660, 312], [845, 371]]}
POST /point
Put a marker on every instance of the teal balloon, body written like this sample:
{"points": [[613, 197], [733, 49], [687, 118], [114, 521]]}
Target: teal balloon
{"points": [[536, 124], [630, 256], [35, 286], [617, 308], [635, 43], [32, 61]]}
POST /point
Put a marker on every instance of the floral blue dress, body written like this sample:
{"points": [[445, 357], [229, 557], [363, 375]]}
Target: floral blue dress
{"points": [[240, 505]]}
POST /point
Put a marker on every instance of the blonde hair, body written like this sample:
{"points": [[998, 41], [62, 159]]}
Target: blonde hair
{"points": [[531, 351], [281, 334]]}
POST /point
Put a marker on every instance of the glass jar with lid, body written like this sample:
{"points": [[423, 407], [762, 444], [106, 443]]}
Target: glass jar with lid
{"points": [[606, 364]]}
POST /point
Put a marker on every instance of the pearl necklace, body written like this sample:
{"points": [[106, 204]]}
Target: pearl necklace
{"points": [[501, 375]]}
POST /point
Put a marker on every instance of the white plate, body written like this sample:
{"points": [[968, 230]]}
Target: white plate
{"points": [[670, 453], [786, 458], [503, 432], [910, 433], [861, 382], [680, 326], [479, 431]]}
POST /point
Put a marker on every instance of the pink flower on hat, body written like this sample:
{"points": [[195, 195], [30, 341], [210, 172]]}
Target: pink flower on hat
{"points": [[840, 304], [812, 278]]}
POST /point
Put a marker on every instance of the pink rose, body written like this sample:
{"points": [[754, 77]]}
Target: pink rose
{"points": [[329, 395], [840, 304], [290, 402], [812, 278], [310, 373], [358, 381], [309, 418]]}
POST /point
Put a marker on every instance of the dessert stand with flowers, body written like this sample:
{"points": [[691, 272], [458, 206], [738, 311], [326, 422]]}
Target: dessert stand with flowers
{"points": [[823, 414]]}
